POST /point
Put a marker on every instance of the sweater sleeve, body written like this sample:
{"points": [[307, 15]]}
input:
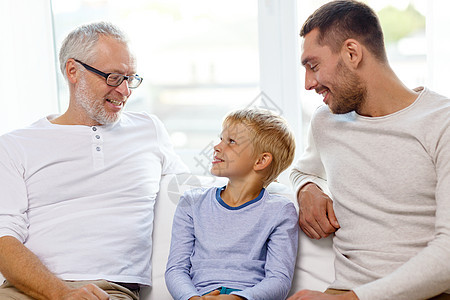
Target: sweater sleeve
{"points": [[177, 274], [309, 167], [428, 272], [280, 261]]}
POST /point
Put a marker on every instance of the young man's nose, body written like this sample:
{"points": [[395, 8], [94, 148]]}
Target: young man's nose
{"points": [[310, 81]]}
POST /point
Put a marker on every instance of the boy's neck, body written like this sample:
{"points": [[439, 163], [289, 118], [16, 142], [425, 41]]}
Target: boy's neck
{"points": [[238, 193]]}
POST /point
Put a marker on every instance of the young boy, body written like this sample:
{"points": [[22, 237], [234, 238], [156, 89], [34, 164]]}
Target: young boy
{"points": [[238, 241]]}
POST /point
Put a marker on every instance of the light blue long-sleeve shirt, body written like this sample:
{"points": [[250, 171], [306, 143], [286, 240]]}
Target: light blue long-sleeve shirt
{"points": [[251, 247]]}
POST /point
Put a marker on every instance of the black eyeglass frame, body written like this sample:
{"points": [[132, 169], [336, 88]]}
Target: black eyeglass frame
{"points": [[106, 75]]}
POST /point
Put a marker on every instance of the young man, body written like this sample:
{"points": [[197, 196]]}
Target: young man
{"points": [[238, 241], [78, 189], [383, 150]]}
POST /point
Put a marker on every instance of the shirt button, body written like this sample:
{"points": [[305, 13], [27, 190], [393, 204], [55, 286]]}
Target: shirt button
{"points": [[94, 128], [97, 136], [98, 148]]}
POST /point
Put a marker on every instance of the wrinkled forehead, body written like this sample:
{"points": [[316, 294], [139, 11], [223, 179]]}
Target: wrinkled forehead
{"points": [[112, 52]]}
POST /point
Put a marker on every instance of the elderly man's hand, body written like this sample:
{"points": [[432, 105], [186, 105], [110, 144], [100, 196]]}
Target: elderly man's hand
{"points": [[90, 292]]}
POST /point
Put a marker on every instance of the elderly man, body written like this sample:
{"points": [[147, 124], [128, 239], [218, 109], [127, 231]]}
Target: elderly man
{"points": [[78, 189]]}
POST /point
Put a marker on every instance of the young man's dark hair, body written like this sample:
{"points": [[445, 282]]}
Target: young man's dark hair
{"points": [[340, 20]]}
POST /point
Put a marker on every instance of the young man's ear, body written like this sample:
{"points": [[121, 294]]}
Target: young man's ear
{"points": [[263, 161], [352, 51]]}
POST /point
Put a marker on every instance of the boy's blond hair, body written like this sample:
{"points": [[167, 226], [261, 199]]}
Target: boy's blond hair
{"points": [[269, 133]]}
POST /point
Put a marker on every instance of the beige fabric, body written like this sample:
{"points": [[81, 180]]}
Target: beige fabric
{"points": [[116, 292]]}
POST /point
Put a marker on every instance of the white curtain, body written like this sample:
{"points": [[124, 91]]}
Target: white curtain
{"points": [[27, 73]]}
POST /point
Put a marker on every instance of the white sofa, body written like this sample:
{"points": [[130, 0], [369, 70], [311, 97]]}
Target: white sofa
{"points": [[314, 268]]}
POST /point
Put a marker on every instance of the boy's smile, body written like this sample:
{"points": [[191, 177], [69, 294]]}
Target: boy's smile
{"points": [[217, 160]]}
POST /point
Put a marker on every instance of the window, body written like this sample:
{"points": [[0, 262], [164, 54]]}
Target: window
{"points": [[199, 60], [28, 71]]}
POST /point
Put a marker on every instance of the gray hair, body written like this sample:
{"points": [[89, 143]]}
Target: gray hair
{"points": [[80, 43]]}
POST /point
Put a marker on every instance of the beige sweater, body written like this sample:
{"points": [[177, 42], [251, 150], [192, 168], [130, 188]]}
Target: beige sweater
{"points": [[389, 178]]}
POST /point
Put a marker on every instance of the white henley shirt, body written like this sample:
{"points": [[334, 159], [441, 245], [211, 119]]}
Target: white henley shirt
{"points": [[81, 197]]}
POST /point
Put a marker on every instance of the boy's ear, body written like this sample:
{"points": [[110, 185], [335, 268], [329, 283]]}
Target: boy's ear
{"points": [[263, 161]]}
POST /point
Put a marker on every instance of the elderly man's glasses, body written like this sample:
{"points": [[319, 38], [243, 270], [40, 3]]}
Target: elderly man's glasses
{"points": [[114, 79]]}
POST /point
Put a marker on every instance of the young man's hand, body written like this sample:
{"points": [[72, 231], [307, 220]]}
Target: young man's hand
{"points": [[316, 214]]}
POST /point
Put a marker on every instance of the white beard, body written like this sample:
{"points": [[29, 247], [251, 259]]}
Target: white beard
{"points": [[95, 109]]}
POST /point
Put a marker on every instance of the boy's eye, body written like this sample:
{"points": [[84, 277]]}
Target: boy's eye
{"points": [[231, 141], [314, 68]]}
